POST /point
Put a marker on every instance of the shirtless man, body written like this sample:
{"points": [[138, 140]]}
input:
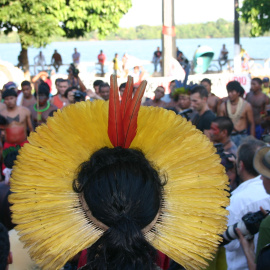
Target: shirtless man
{"points": [[258, 101], [157, 102], [239, 111], [213, 101], [41, 111], [59, 100], [28, 99], [19, 119]]}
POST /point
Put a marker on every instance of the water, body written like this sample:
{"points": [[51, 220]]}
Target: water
{"points": [[142, 49]]}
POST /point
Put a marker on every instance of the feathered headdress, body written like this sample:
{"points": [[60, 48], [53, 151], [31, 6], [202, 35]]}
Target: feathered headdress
{"points": [[49, 214]]}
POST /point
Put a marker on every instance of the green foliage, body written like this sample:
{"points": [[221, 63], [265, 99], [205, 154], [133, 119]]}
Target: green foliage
{"points": [[34, 20], [257, 13], [81, 17]]}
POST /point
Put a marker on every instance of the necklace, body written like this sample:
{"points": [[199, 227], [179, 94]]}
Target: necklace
{"points": [[40, 111], [235, 117]]}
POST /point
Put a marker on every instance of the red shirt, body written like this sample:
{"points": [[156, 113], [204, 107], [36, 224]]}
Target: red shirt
{"points": [[101, 58]]}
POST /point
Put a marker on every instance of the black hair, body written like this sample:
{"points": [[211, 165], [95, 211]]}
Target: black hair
{"points": [[122, 85], [246, 153], [258, 80], [25, 83], [199, 89], [124, 192], [224, 123], [97, 83], [10, 158], [70, 89], [43, 88], [235, 85], [3, 120], [4, 246], [206, 80], [59, 80], [9, 92], [103, 85]]}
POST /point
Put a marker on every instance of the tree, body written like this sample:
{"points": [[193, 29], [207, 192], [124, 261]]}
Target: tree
{"points": [[36, 21], [257, 13]]}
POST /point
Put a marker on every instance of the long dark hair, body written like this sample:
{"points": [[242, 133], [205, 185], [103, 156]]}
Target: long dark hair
{"points": [[124, 192]]}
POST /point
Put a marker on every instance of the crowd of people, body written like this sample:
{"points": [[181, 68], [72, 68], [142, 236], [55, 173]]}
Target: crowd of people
{"points": [[238, 125]]}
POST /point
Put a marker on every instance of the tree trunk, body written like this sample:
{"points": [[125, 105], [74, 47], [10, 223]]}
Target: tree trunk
{"points": [[23, 61]]}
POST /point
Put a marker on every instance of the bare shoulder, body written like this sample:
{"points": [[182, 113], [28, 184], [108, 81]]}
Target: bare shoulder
{"points": [[248, 106], [24, 110]]}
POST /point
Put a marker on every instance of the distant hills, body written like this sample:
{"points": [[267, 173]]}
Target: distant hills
{"points": [[219, 29]]}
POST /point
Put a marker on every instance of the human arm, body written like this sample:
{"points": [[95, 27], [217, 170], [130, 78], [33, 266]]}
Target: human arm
{"points": [[92, 94], [29, 120], [250, 119], [221, 109], [248, 248]]}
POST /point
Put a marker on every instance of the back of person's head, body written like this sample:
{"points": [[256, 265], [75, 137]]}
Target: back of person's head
{"points": [[201, 90], [263, 260], [4, 247], [224, 123], [25, 83], [234, 85], [113, 178], [97, 83], [43, 89], [258, 80], [246, 153]]}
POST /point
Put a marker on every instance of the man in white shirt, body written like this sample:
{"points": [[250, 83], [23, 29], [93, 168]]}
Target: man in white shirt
{"points": [[39, 60], [247, 197]]}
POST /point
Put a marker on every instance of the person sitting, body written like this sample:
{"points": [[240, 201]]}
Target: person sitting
{"points": [[56, 60]]}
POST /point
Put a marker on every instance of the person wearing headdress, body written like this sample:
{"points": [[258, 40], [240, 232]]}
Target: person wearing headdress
{"points": [[124, 181]]}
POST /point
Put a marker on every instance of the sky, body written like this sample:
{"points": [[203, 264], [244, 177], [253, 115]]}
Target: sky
{"points": [[149, 12]]}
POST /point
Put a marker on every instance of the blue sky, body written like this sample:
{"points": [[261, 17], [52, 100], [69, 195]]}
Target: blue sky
{"points": [[149, 12]]}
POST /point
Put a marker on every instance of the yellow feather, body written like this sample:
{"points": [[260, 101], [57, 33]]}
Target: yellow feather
{"points": [[50, 218]]}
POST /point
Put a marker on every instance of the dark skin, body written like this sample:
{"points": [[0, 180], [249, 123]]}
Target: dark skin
{"points": [[212, 101], [258, 101], [157, 102], [28, 98], [246, 117]]}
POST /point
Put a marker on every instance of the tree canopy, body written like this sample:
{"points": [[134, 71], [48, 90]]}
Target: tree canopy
{"points": [[257, 13], [36, 21]]}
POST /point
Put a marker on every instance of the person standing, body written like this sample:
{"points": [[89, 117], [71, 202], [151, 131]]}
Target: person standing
{"points": [[239, 111], [28, 99], [76, 57], [115, 64], [213, 101], [258, 100], [157, 102], [56, 60], [41, 110], [156, 58], [205, 116], [39, 60], [59, 100], [101, 61]]}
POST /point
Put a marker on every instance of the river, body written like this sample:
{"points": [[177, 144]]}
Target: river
{"points": [[142, 49]]}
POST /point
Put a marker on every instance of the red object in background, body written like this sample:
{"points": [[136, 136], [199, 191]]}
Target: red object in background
{"points": [[163, 261], [168, 30]]}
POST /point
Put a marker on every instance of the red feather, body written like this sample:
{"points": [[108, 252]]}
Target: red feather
{"points": [[115, 124], [131, 116], [127, 96]]}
